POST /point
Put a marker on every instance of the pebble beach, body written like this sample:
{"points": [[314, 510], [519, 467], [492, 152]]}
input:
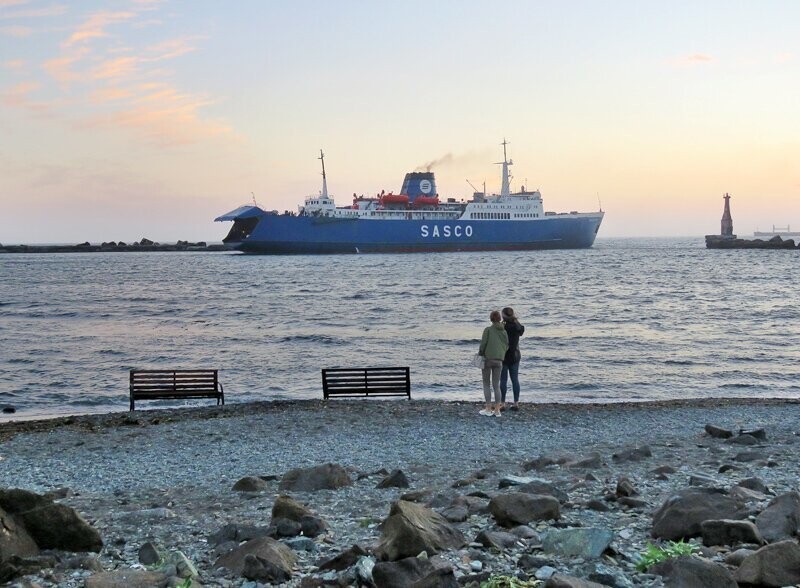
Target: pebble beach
{"points": [[166, 478]]}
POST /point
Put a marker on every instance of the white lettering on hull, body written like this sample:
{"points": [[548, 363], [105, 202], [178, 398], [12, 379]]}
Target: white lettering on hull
{"points": [[446, 231]]}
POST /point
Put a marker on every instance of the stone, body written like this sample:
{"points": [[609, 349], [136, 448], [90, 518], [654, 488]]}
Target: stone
{"points": [[565, 581], [597, 505], [544, 572], [701, 480], [536, 486], [748, 456], [440, 577], [397, 479], [544, 461], [290, 518], [634, 454], [401, 573], [344, 560], [735, 558], [759, 434], [498, 540], [50, 525], [127, 579], [664, 469], [423, 495], [525, 532], [364, 567], [508, 481], [781, 519], [742, 440], [682, 513], [693, 572], [301, 544], [411, 529], [718, 432], [585, 542], [268, 558], [592, 460], [727, 532], [250, 484], [238, 533], [149, 554], [745, 494], [14, 539], [328, 476], [632, 502], [756, 484], [517, 508], [457, 513], [774, 565], [625, 487]]}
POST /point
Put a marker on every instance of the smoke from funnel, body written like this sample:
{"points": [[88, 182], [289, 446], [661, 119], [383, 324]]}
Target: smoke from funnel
{"points": [[444, 159]]}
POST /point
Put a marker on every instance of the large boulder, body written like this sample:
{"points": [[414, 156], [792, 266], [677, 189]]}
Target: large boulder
{"points": [[14, 539], [261, 557], [684, 512], [401, 573], [693, 572], [329, 476], [412, 528], [588, 543], [781, 519], [127, 579], [517, 508], [727, 532], [775, 565], [287, 509], [51, 525]]}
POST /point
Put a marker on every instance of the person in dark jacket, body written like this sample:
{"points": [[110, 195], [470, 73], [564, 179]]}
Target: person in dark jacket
{"points": [[514, 329]]}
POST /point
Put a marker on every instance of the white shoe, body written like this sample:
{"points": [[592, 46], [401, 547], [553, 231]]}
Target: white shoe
{"points": [[485, 412], [497, 413]]}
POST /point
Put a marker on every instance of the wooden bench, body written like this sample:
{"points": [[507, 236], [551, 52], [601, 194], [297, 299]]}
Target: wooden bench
{"points": [[180, 384], [385, 381]]}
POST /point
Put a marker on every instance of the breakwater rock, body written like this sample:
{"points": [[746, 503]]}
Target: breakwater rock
{"points": [[114, 246], [724, 242]]}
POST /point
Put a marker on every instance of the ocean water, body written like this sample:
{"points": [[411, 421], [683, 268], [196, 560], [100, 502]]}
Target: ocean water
{"points": [[628, 320]]}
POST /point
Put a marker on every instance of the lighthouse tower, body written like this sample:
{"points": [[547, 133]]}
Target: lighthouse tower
{"points": [[727, 221]]}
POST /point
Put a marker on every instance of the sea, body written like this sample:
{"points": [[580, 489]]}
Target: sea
{"points": [[628, 320]]}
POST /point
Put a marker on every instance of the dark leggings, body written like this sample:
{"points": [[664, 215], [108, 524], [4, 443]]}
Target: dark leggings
{"points": [[512, 369]]}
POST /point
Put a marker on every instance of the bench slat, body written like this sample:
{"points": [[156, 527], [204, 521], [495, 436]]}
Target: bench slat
{"points": [[174, 384], [388, 381]]}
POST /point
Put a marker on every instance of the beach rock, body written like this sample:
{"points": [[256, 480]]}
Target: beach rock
{"points": [[682, 513], [397, 479], [727, 532], [544, 461], [344, 560], [631, 502], [290, 518], [605, 575], [127, 579], [456, 513], [735, 558], [149, 554], [525, 532], [499, 540], [508, 481], [742, 440], [634, 454], [9, 410], [592, 460], [718, 432], [440, 577], [543, 487], [250, 484], [693, 572], [756, 484], [264, 559], [588, 543], [781, 519], [774, 565], [401, 573], [748, 456], [364, 567], [625, 487], [759, 434], [564, 581], [518, 508], [597, 505], [51, 525], [411, 529], [14, 539], [238, 533], [745, 494], [328, 476], [701, 480], [664, 469]]}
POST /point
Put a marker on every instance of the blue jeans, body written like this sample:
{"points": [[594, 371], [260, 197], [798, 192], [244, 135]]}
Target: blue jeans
{"points": [[512, 369]]}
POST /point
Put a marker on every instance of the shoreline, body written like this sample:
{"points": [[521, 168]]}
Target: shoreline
{"points": [[168, 476]]}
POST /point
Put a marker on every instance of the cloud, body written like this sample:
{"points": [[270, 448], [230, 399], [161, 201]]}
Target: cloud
{"points": [[54, 10], [60, 68], [18, 96], [94, 27], [170, 49], [7, 3], [16, 31], [110, 94], [121, 67], [14, 64]]}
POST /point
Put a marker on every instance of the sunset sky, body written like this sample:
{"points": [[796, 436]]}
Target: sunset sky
{"points": [[146, 118]]}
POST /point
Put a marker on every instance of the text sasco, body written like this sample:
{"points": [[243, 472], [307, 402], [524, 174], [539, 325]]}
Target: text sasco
{"points": [[445, 231]]}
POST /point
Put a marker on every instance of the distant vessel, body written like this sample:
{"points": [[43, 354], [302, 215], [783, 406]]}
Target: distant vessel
{"points": [[415, 220], [783, 232]]}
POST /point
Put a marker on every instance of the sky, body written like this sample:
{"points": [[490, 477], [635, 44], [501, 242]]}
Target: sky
{"points": [[148, 118]]}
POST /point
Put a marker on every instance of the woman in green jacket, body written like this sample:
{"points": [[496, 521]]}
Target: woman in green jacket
{"points": [[494, 345]]}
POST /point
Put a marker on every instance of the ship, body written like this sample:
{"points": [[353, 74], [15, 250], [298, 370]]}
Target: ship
{"points": [[415, 219], [783, 232]]}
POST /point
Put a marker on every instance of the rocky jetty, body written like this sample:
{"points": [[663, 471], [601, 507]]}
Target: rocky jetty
{"points": [[726, 242], [401, 494], [114, 246]]}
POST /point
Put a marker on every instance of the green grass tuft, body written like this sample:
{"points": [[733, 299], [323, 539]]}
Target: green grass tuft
{"points": [[656, 554]]}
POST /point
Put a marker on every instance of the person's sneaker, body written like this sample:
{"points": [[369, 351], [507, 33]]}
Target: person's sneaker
{"points": [[485, 412], [497, 413]]}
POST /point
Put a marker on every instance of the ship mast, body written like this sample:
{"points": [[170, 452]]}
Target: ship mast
{"points": [[504, 187], [324, 178]]}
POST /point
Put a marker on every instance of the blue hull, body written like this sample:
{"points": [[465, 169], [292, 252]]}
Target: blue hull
{"points": [[281, 234]]}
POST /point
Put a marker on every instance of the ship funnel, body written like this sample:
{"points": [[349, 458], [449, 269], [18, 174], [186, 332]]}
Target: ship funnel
{"points": [[419, 184]]}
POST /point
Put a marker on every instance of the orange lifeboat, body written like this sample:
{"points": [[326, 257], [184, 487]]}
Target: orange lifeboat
{"points": [[426, 201], [394, 199]]}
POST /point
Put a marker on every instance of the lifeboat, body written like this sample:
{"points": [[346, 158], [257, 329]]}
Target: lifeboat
{"points": [[394, 199], [426, 201]]}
